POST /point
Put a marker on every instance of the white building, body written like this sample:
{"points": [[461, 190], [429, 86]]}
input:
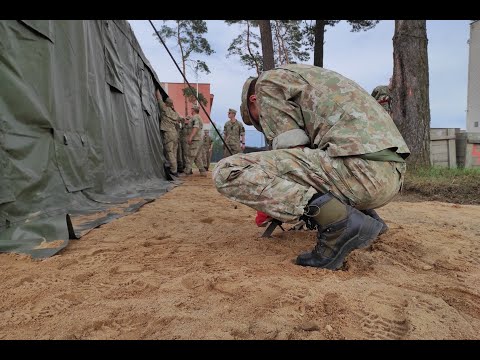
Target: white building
{"points": [[473, 97]]}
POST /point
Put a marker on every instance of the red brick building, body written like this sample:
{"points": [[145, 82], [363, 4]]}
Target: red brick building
{"points": [[174, 91]]}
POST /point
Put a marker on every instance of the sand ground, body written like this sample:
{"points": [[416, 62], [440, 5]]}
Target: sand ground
{"points": [[191, 265]]}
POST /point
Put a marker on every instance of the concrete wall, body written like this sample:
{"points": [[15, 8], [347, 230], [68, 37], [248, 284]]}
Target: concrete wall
{"points": [[443, 151], [452, 147]]}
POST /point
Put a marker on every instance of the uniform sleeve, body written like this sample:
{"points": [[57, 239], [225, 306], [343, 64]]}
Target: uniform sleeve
{"points": [[225, 132], [280, 117], [196, 122], [242, 129], [177, 117], [161, 107]]}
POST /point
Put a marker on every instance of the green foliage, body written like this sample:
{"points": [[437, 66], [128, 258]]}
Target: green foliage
{"points": [[217, 152], [457, 185], [442, 173], [189, 38], [247, 45], [288, 42], [190, 93], [308, 28], [362, 25]]}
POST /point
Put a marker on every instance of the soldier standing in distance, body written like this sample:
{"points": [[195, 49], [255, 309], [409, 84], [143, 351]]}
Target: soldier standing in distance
{"points": [[195, 142], [184, 134], [207, 149], [180, 163], [234, 134]]}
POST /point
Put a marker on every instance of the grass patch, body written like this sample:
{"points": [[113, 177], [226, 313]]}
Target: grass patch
{"points": [[460, 185]]}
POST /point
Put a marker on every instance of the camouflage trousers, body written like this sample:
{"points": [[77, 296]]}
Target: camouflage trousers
{"points": [[206, 157], [235, 148], [195, 156], [170, 143], [280, 183], [180, 163], [184, 146]]}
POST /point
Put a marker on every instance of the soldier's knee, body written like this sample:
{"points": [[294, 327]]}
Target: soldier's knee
{"points": [[220, 173]]}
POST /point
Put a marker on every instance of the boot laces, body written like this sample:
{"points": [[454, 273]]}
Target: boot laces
{"points": [[321, 240]]}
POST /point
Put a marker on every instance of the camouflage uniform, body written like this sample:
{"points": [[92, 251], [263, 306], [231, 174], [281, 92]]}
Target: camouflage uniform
{"points": [[207, 143], [180, 163], [184, 134], [194, 149], [337, 122], [169, 121], [383, 96], [232, 131]]}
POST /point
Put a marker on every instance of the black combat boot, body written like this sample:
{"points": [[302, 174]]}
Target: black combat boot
{"points": [[374, 215], [341, 229]]}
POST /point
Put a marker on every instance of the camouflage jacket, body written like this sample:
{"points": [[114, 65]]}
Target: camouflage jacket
{"points": [[207, 142], [185, 130], [308, 105], [233, 132], [196, 122], [169, 117]]}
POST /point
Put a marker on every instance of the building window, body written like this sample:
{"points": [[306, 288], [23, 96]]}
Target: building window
{"points": [[475, 124]]}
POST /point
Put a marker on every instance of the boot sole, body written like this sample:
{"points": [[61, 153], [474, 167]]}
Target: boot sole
{"points": [[370, 230]]}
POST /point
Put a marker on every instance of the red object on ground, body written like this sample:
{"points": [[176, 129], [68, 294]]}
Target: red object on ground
{"points": [[262, 219]]}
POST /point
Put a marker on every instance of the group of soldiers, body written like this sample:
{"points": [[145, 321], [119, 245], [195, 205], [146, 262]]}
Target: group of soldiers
{"points": [[184, 143], [183, 140]]}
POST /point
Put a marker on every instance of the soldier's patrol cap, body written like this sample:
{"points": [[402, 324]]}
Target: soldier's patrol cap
{"points": [[247, 119], [196, 107], [232, 111]]}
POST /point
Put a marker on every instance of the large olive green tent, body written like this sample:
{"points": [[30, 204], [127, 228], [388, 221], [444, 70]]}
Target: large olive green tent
{"points": [[79, 130]]}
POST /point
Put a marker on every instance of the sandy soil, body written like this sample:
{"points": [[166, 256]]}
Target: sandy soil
{"points": [[191, 265]]}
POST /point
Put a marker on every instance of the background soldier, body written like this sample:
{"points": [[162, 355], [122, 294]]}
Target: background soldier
{"points": [[383, 95], [180, 163], [207, 149], [195, 143], [168, 128], [234, 134], [184, 134]]}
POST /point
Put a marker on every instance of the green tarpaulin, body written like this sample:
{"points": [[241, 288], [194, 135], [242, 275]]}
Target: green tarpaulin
{"points": [[79, 130]]}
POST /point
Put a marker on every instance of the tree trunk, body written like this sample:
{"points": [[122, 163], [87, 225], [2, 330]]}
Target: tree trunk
{"points": [[257, 67], [319, 39], [410, 98], [267, 44]]}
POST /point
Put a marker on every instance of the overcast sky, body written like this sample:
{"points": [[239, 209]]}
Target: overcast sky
{"points": [[365, 57]]}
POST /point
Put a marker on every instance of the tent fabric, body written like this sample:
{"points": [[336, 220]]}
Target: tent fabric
{"points": [[79, 130]]}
